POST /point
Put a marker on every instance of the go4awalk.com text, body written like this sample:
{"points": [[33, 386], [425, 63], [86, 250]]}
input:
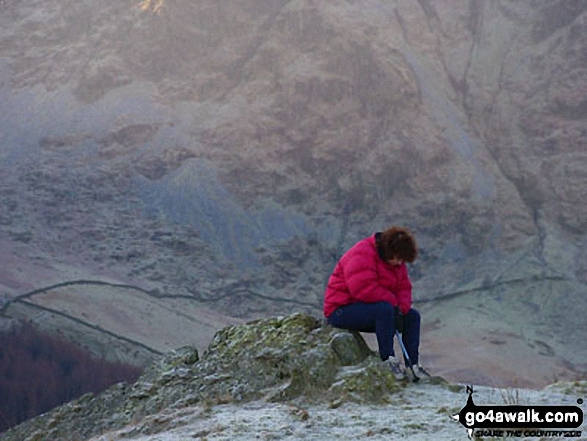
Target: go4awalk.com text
{"points": [[520, 420], [511, 416]]}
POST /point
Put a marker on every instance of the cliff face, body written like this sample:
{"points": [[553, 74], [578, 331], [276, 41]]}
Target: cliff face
{"points": [[232, 150]]}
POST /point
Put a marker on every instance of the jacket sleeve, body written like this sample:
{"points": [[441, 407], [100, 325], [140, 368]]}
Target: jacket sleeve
{"points": [[404, 291], [361, 278]]}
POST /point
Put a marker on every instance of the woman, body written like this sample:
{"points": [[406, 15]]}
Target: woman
{"points": [[369, 286]]}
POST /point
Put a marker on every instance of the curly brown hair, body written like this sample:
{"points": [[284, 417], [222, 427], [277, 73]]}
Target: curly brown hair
{"points": [[399, 242]]}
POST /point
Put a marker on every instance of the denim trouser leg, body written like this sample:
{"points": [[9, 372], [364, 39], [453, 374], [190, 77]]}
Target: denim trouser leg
{"points": [[368, 317], [380, 318], [411, 334]]}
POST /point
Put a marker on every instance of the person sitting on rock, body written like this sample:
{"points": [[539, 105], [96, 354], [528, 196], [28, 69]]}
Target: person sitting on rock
{"points": [[369, 286]]}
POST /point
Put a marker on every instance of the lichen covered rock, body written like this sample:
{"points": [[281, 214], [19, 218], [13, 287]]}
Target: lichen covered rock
{"points": [[276, 359]]}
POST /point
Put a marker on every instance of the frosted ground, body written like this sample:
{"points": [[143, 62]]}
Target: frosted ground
{"points": [[421, 412]]}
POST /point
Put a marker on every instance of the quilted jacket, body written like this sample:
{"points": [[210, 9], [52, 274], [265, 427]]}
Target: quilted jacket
{"points": [[361, 275]]}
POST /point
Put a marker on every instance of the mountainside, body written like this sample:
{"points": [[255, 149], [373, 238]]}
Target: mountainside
{"points": [[224, 154]]}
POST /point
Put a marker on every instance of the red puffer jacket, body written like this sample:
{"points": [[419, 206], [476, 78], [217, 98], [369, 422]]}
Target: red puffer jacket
{"points": [[362, 276]]}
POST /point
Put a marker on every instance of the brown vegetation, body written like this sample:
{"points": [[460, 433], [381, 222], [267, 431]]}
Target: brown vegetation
{"points": [[39, 372]]}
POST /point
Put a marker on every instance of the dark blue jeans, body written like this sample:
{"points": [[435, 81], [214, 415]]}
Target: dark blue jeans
{"points": [[380, 318]]}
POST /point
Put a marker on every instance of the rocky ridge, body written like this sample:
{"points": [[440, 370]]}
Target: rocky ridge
{"points": [[278, 359], [293, 375]]}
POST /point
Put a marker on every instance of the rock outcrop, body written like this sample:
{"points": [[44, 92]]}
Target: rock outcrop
{"points": [[292, 358]]}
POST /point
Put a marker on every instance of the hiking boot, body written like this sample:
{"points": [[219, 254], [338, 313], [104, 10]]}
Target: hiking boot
{"points": [[395, 368]]}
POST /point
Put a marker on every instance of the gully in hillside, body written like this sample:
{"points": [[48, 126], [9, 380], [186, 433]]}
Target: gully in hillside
{"points": [[369, 290]]}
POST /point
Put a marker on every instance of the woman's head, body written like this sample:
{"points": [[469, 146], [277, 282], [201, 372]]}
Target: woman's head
{"points": [[399, 245]]}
